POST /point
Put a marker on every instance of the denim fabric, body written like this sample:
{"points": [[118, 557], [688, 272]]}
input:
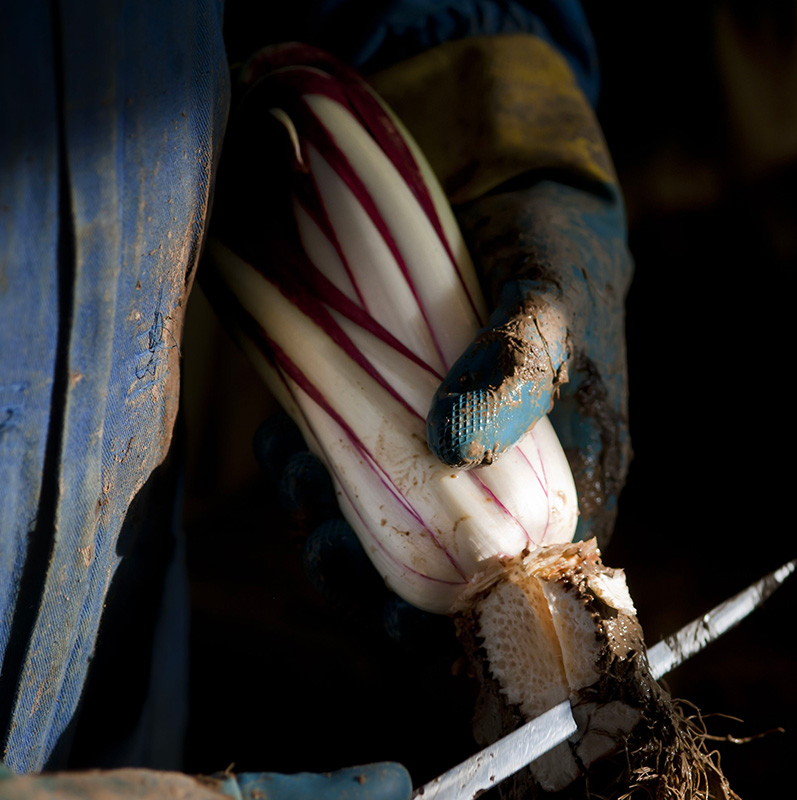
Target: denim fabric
{"points": [[118, 110], [28, 296], [371, 36]]}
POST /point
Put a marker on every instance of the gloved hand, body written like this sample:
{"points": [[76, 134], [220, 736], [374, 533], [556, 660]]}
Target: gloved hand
{"points": [[543, 218], [542, 215], [384, 781], [556, 263], [334, 560]]}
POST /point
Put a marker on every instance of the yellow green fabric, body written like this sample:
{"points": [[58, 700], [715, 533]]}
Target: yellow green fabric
{"points": [[488, 109]]}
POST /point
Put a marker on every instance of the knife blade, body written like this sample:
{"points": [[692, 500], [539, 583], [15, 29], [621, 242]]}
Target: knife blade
{"points": [[508, 755], [693, 637], [504, 758]]}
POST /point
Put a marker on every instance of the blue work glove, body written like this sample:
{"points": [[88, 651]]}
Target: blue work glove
{"points": [[385, 781], [555, 260], [507, 125]]}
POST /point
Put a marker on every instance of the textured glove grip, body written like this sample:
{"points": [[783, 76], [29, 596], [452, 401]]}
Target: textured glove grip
{"points": [[501, 385]]}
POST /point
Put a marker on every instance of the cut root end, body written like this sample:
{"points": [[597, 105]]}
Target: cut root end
{"points": [[557, 624]]}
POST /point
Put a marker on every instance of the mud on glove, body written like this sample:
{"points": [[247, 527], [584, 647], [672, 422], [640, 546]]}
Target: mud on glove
{"points": [[517, 147]]}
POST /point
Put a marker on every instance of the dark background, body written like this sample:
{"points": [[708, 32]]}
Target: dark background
{"points": [[699, 112]]}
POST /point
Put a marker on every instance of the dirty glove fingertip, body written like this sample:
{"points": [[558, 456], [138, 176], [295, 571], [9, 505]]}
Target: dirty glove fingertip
{"points": [[382, 781]]}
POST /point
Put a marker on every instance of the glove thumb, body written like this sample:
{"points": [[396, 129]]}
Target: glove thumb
{"points": [[503, 383]]}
